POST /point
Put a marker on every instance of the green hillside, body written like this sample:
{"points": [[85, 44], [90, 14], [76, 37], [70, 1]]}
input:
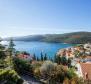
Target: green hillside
{"points": [[75, 37]]}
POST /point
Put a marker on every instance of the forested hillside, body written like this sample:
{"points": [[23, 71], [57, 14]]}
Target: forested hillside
{"points": [[75, 37]]}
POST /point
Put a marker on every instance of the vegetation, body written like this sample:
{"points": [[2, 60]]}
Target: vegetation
{"points": [[43, 57], [7, 74], [75, 37], [22, 66], [52, 73], [62, 60], [9, 77]]}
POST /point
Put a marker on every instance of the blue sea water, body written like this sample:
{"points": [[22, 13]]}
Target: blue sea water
{"points": [[37, 47]]}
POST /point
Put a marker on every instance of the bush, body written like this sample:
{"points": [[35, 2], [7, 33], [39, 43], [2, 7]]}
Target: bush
{"points": [[47, 68], [9, 77], [36, 68], [22, 66]]}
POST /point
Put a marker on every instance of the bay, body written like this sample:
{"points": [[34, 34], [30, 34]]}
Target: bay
{"points": [[37, 47]]}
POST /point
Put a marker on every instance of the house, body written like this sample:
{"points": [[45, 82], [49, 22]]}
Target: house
{"points": [[87, 46], [25, 57], [68, 53], [84, 70], [86, 59]]}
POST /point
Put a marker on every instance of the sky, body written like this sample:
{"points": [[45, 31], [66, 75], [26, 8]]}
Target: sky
{"points": [[27, 17]]}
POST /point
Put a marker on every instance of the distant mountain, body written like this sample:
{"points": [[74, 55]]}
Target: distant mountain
{"points": [[75, 37]]}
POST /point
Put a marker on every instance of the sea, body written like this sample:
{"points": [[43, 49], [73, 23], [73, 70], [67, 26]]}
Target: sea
{"points": [[34, 47]]}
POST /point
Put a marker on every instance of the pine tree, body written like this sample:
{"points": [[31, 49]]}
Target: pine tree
{"points": [[11, 47], [11, 50]]}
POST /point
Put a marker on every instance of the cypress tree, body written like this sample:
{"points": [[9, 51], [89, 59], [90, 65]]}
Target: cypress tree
{"points": [[51, 59], [42, 56], [45, 57], [57, 59], [63, 60], [37, 59], [34, 56], [69, 62]]}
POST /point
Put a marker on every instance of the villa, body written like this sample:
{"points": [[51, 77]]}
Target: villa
{"points": [[84, 70]]}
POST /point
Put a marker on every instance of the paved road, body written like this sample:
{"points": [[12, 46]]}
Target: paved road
{"points": [[29, 80]]}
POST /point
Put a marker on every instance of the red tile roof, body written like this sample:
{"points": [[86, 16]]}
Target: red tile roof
{"points": [[86, 70], [88, 57], [24, 56]]}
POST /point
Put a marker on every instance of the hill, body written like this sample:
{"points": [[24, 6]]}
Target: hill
{"points": [[74, 37]]}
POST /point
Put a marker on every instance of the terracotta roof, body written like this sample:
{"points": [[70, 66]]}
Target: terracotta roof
{"points": [[88, 57], [24, 56], [86, 70]]}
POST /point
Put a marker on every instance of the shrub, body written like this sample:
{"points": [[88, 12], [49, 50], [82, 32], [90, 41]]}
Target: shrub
{"points": [[22, 65], [9, 76], [47, 68]]}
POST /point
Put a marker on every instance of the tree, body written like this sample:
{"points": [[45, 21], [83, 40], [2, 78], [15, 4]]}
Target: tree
{"points": [[45, 57], [2, 50], [25, 53], [11, 50], [2, 54], [11, 47], [69, 62], [42, 56], [57, 59], [51, 59], [38, 59], [63, 60], [34, 56]]}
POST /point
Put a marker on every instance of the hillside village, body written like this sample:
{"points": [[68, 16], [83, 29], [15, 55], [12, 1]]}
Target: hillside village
{"points": [[81, 59]]}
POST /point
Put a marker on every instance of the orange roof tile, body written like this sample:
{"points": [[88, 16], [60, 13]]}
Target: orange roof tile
{"points": [[86, 69]]}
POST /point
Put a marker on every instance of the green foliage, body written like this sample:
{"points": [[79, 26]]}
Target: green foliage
{"points": [[61, 60], [71, 73], [38, 59], [11, 48], [2, 47], [42, 58], [45, 57], [2, 55], [69, 63], [57, 59], [54, 73], [22, 65], [9, 77], [34, 57], [25, 53], [75, 37]]}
